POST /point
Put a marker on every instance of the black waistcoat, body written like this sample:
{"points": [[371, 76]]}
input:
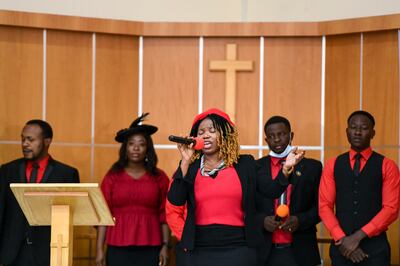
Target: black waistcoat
{"points": [[358, 199]]}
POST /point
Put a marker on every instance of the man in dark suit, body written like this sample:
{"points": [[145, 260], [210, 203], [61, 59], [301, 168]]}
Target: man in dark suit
{"points": [[21, 244], [291, 240]]}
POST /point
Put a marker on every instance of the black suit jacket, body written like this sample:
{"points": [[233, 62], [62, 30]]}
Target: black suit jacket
{"points": [[14, 227], [182, 191], [303, 204]]}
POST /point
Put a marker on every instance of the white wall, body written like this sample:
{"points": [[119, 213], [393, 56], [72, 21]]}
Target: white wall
{"points": [[209, 10]]}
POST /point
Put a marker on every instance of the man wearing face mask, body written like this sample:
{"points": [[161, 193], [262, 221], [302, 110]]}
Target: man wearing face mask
{"points": [[21, 244], [290, 240]]}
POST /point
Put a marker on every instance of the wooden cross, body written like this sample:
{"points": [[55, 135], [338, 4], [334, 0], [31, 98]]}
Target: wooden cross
{"points": [[59, 246], [230, 66]]}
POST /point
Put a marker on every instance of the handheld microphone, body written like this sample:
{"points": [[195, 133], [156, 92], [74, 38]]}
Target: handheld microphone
{"points": [[281, 212], [198, 143]]}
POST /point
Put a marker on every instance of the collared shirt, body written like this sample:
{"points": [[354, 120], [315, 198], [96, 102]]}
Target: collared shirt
{"points": [[42, 167], [280, 236], [390, 196]]}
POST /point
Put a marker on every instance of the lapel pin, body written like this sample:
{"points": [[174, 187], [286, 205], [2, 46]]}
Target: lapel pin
{"points": [[298, 173]]}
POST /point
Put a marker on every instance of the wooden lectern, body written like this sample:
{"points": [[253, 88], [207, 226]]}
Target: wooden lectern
{"points": [[62, 206]]}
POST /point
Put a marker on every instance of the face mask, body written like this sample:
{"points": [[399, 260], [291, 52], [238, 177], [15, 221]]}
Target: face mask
{"points": [[282, 154]]}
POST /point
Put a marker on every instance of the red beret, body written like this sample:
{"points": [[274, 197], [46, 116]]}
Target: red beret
{"points": [[214, 111]]}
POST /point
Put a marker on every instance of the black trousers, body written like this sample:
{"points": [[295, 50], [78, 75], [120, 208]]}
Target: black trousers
{"points": [[221, 256], [281, 257], [133, 255], [26, 256]]}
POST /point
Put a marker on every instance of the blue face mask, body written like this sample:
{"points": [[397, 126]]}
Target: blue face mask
{"points": [[282, 154]]}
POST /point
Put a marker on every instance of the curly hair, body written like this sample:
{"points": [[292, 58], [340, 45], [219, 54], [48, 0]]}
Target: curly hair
{"points": [[227, 142]]}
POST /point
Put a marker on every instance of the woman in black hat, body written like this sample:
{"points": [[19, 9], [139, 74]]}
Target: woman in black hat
{"points": [[135, 190], [219, 187]]}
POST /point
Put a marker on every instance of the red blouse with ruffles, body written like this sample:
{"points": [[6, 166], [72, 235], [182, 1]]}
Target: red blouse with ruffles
{"points": [[138, 206]]}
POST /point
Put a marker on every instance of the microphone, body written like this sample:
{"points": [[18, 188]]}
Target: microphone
{"points": [[198, 143], [281, 212]]}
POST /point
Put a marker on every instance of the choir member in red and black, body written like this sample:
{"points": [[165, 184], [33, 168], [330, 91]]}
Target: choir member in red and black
{"points": [[290, 241], [218, 186], [135, 191], [359, 198]]}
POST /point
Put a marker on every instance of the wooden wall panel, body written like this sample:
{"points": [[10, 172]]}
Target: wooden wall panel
{"points": [[247, 84], [292, 85], [69, 85], [21, 79], [10, 152], [292, 80], [168, 161], [185, 29], [381, 84], [84, 246], [342, 96], [104, 157], [381, 98], [170, 84], [394, 229], [254, 153], [342, 89], [342, 86], [313, 154], [78, 157], [117, 70]]}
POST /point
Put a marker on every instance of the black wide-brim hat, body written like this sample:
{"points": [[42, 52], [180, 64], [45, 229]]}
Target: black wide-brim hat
{"points": [[135, 128]]}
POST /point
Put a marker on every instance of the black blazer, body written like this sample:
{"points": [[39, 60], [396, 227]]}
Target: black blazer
{"points": [[303, 204], [14, 227], [182, 191]]}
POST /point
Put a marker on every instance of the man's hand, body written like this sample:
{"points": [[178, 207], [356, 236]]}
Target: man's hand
{"points": [[358, 255], [291, 224], [348, 244], [293, 158], [270, 224]]}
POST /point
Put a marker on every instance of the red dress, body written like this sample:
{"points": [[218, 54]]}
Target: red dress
{"points": [[138, 206]]}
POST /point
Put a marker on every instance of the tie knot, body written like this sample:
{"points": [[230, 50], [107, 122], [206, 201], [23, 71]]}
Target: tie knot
{"points": [[357, 156], [35, 165]]}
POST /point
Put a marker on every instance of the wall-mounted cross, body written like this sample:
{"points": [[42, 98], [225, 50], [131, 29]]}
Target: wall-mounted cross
{"points": [[230, 66]]}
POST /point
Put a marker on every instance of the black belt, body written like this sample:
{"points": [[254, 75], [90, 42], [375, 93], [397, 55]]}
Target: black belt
{"points": [[281, 245]]}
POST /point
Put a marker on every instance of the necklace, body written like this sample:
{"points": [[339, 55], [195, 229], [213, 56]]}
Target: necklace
{"points": [[212, 172]]}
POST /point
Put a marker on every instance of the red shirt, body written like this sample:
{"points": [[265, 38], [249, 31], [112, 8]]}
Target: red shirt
{"points": [[219, 200], [280, 236], [42, 167], [176, 216], [390, 197], [138, 206]]}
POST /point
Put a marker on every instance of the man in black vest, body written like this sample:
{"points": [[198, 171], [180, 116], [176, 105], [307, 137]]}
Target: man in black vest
{"points": [[21, 244], [363, 186], [291, 241]]}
